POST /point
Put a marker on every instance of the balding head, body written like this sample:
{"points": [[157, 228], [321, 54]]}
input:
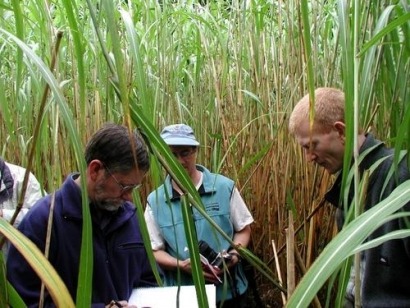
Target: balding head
{"points": [[328, 109]]}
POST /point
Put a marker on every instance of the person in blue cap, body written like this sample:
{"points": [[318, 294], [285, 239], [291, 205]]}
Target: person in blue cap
{"points": [[222, 202]]}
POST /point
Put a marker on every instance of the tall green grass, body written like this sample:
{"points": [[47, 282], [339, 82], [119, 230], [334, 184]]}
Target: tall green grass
{"points": [[233, 71]]}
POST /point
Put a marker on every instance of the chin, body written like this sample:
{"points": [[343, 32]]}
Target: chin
{"points": [[109, 206], [332, 171]]}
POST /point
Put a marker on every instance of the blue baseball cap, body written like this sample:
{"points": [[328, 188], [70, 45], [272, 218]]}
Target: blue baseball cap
{"points": [[179, 134]]}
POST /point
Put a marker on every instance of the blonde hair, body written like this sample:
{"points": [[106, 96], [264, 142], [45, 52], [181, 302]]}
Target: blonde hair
{"points": [[329, 108]]}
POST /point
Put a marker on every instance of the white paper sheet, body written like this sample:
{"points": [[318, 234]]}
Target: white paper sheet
{"points": [[166, 297]]}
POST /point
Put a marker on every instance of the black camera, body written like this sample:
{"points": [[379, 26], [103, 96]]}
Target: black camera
{"points": [[213, 257]]}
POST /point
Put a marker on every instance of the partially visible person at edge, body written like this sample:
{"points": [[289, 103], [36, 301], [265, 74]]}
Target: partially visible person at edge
{"points": [[117, 161], [223, 203], [385, 269], [11, 186]]}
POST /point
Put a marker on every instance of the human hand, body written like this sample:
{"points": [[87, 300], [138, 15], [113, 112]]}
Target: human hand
{"points": [[210, 275], [235, 258], [118, 304], [185, 265], [213, 274]]}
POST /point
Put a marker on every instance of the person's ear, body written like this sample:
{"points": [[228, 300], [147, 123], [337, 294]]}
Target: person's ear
{"points": [[94, 168], [340, 127]]}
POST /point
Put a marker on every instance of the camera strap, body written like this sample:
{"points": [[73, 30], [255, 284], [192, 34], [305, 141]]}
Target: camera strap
{"points": [[232, 282]]}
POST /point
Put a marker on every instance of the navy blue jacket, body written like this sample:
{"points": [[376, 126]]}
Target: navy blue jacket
{"points": [[120, 259]]}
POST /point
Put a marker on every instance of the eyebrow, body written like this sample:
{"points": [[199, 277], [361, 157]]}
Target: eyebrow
{"points": [[308, 144], [122, 185]]}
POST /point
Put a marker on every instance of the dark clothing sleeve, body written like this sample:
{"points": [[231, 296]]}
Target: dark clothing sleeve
{"points": [[120, 261]]}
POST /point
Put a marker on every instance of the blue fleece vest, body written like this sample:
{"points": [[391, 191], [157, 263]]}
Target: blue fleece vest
{"points": [[215, 193]]}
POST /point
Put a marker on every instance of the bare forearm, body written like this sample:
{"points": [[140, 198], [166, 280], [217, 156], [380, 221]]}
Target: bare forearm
{"points": [[165, 260], [242, 237], [168, 262]]}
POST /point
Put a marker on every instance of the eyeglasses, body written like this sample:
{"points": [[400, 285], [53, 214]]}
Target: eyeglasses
{"points": [[124, 188], [184, 153]]}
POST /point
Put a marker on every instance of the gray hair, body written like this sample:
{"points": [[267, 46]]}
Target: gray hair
{"points": [[119, 148]]}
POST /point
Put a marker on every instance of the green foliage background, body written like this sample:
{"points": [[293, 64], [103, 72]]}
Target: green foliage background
{"points": [[231, 70]]}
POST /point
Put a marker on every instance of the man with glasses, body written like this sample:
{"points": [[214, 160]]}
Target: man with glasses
{"points": [[117, 161], [223, 203]]}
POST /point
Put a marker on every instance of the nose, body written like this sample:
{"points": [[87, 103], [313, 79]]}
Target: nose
{"points": [[180, 159], [127, 195], [310, 156]]}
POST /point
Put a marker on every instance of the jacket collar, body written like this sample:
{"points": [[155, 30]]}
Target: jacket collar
{"points": [[72, 205], [207, 187], [370, 148]]}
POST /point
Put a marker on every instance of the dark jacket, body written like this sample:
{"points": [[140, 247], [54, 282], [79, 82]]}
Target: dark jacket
{"points": [[386, 272], [120, 259]]}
